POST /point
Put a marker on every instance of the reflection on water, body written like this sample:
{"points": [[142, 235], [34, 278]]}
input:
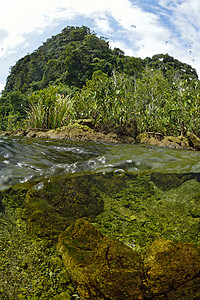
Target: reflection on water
{"points": [[23, 159]]}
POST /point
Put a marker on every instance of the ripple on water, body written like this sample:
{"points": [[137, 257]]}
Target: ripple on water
{"points": [[24, 159]]}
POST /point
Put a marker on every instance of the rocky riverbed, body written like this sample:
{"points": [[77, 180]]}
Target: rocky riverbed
{"points": [[104, 236]]}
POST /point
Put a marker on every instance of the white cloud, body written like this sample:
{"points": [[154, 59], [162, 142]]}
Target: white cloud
{"points": [[22, 17], [137, 32], [185, 23], [121, 45], [29, 16], [1, 86], [102, 24]]}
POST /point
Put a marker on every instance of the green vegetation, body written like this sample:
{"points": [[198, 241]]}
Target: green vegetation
{"points": [[76, 75], [30, 267], [48, 109]]}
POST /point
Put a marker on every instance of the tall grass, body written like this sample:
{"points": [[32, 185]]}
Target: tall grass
{"points": [[54, 116], [36, 115]]}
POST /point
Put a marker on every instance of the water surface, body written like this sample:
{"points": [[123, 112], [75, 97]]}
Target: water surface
{"points": [[24, 159]]}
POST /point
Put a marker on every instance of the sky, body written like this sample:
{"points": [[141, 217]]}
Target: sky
{"points": [[139, 28]]}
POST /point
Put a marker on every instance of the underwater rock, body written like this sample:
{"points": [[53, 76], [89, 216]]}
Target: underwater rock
{"points": [[169, 181], [102, 268], [61, 201], [195, 206], [173, 270]]}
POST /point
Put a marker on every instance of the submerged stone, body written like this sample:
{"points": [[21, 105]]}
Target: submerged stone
{"points": [[173, 270], [61, 201], [169, 181], [14, 197], [101, 267], [104, 268]]}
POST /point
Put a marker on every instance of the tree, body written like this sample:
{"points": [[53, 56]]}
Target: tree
{"points": [[13, 110], [152, 91], [106, 99]]}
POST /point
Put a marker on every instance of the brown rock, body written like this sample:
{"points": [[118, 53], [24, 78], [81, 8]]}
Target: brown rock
{"points": [[173, 270], [193, 140], [157, 139], [107, 269], [101, 267], [143, 138]]}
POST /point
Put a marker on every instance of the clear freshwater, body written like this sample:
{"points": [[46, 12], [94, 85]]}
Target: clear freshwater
{"points": [[148, 194], [23, 159]]}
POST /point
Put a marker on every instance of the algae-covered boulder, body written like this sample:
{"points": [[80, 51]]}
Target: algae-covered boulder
{"points": [[53, 206], [195, 207], [102, 268], [169, 181], [173, 270]]}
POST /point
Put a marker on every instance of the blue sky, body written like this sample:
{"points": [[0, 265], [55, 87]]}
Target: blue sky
{"points": [[140, 28]]}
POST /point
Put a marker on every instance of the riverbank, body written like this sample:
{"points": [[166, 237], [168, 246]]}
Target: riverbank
{"points": [[83, 131]]}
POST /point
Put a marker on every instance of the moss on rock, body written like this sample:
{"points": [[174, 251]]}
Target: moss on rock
{"points": [[173, 270], [76, 131], [102, 268], [169, 181], [59, 202], [157, 139]]}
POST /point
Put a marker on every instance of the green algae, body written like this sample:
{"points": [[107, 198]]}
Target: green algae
{"points": [[134, 209], [14, 197], [140, 212], [60, 202], [29, 266]]}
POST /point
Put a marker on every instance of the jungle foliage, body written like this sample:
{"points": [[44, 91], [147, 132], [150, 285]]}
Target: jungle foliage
{"points": [[75, 74]]}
